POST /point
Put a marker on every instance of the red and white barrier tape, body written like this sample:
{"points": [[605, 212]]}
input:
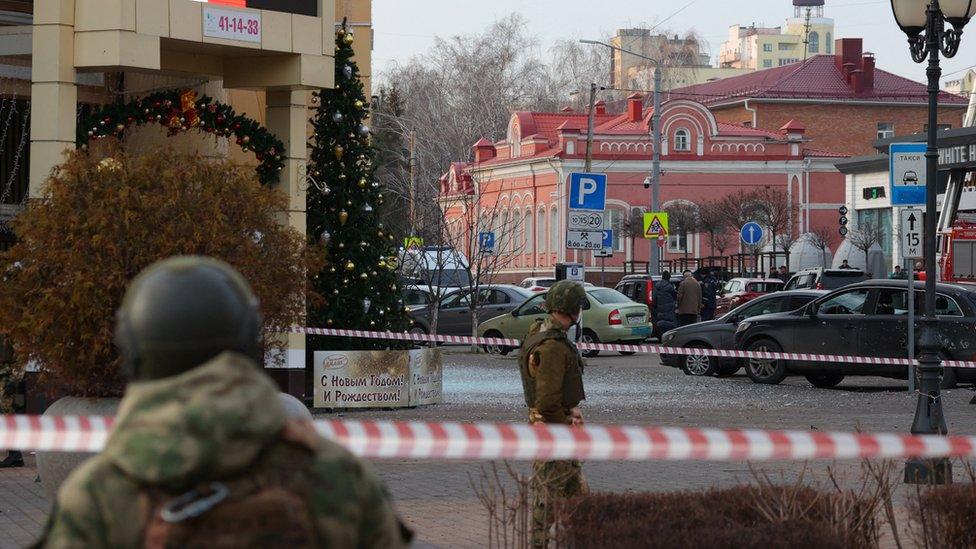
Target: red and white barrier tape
{"points": [[658, 349], [485, 441]]}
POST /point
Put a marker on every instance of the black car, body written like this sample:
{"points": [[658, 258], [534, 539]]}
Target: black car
{"points": [[864, 319], [718, 333], [825, 279]]}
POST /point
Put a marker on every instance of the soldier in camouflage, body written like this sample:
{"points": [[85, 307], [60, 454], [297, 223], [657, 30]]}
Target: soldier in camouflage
{"points": [[203, 453], [552, 379]]}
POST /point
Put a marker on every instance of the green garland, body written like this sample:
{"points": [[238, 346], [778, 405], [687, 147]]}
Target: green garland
{"points": [[180, 110]]}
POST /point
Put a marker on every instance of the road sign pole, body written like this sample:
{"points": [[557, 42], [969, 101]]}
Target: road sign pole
{"points": [[911, 325]]}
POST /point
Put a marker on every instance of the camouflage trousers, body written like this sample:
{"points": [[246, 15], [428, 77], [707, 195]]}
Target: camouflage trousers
{"points": [[552, 481]]}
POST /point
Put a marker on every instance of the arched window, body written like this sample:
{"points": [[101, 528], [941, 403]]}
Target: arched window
{"points": [[682, 140], [515, 139], [540, 232], [526, 232], [829, 45], [814, 42], [553, 230], [503, 237]]}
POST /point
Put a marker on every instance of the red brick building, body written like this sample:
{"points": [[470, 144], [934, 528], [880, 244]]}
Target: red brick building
{"points": [[518, 186], [843, 100]]}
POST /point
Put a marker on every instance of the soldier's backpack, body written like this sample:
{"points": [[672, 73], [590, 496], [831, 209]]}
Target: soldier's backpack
{"points": [[267, 506]]}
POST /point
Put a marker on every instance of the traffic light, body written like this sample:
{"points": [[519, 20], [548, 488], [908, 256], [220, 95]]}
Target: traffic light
{"points": [[843, 211]]}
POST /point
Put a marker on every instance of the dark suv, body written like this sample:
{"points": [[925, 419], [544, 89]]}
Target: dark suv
{"points": [[866, 319], [638, 287], [824, 279]]}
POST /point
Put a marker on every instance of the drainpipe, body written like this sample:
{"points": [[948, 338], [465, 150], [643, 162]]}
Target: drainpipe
{"points": [[753, 111], [806, 199]]}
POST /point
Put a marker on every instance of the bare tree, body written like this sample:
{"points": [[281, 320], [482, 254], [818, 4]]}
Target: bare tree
{"points": [[864, 237], [775, 211], [683, 219], [823, 239], [713, 221]]}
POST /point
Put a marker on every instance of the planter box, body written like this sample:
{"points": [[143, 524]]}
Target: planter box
{"points": [[377, 379]]}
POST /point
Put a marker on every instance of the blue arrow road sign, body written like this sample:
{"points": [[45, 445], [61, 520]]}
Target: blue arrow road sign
{"points": [[587, 191], [486, 241], [751, 233], [608, 238]]}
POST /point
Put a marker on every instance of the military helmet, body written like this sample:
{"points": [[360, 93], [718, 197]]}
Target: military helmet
{"points": [[565, 296], [181, 312]]}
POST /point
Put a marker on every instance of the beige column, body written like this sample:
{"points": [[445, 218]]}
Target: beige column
{"points": [[54, 94], [286, 117]]}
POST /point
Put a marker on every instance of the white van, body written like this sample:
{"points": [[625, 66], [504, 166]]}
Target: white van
{"points": [[441, 266]]}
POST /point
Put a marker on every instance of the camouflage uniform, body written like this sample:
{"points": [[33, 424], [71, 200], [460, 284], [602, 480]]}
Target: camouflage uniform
{"points": [[219, 421], [552, 379]]}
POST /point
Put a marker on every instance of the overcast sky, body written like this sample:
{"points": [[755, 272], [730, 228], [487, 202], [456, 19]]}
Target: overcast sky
{"points": [[406, 28]]}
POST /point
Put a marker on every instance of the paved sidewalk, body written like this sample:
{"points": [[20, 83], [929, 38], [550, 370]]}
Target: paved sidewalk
{"points": [[437, 501]]}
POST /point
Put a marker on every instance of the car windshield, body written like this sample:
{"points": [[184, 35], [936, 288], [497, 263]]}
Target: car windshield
{"points": [[545, 282], [533, 306], [415, 297], [765, 287], [606, 296], [457, 278], [832, 280]]}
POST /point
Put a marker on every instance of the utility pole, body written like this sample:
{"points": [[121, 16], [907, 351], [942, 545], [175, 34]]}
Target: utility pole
{"points": [[412, 192], [655, 252], [590, 123]]}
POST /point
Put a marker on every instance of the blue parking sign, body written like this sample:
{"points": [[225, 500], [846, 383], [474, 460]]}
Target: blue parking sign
{"points": [[486, 242], [587, 191]]}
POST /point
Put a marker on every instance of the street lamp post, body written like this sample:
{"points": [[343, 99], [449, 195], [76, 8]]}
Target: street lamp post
{"points": [[924, 21], [654, 257]]}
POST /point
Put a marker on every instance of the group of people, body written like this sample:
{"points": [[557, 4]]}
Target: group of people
{"points": [[690, 301]]}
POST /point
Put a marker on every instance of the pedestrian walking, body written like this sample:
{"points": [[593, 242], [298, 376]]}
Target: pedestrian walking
{"points": [[898, 274], [664, 298], [783, 274], [689, 300], [552, 380], [203, 452], [709, 286]]}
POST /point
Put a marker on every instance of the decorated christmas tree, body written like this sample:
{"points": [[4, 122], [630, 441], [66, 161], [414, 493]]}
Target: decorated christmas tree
{"points": [[358, 287]]}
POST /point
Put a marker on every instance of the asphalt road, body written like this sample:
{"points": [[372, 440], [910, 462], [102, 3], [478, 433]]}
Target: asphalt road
{"points": [[437, 499]]}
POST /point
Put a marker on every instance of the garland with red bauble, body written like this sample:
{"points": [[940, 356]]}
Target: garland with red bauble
{"points": [[181, 111]]}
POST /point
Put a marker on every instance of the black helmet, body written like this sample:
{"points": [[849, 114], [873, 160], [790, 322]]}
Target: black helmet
{"points": [[181, 312]]}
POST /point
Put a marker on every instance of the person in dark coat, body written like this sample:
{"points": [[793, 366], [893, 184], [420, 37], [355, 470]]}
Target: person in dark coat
{"points": [[664, 298], [709, 295]]}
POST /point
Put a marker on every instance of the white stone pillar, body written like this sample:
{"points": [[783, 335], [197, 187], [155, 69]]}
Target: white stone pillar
{"points": [[54, 94]]}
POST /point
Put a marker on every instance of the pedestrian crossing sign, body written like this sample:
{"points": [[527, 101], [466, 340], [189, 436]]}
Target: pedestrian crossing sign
{"points": [[413, 243], [655, 224]]}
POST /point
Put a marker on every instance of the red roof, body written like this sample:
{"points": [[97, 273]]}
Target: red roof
{"points": [[793, 126], [483, 143], [816, 78]]}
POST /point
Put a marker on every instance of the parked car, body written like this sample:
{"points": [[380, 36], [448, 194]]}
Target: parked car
{"points": [[638, 287], [718, 333], [454, 315], [864, 319], [825, 279], [538, 284], [608, 317], [740, 291]]}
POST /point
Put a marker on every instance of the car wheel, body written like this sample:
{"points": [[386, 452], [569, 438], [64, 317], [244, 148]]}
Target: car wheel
{"points": [[727, 371], [418, 330], [825, 381], [494, 349], [590, 337], [699, 365], [762, 370], [627, 353]]}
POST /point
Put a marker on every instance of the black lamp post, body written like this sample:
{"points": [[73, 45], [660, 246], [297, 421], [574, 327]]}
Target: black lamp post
{"points": [[924, 21]]}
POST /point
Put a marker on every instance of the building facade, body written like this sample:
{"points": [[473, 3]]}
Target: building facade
{"points": [[807, 33], [843, 100], [517, 187]]}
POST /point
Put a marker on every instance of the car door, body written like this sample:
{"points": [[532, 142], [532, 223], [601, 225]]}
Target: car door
{"points": [[761, 306], [496, 302], [884, 328], [834, 328], [455, 315]]}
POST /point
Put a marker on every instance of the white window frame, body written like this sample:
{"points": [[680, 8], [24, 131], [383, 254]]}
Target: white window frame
{"points": [[542, 237], [682, 140], [768, 47], [887, 132], [553, 230]]}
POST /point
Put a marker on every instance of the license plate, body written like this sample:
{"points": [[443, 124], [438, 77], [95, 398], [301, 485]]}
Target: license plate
{"points": [[635, 319]]}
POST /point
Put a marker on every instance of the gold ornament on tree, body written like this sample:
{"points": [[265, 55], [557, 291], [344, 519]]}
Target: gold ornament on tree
{"points": [[343, 217], [359, 104], [338, 150], [350, 265], [347, 39]]}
